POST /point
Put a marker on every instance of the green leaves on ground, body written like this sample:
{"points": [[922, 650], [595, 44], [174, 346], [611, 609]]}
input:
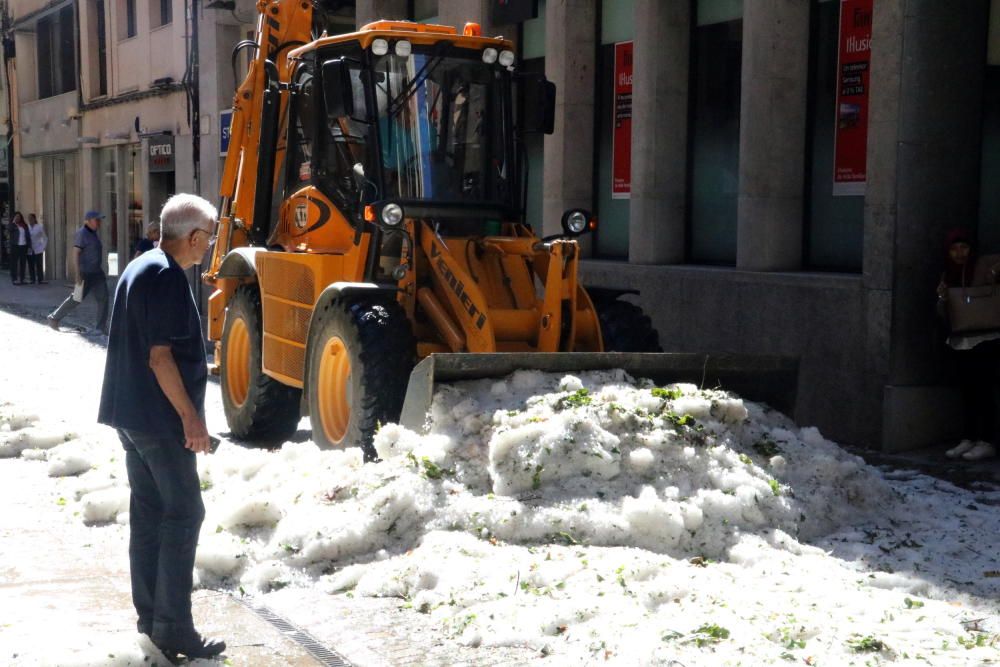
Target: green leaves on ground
{"points": [[577, 399], [431, 470], [766, 448], [666, 394], [866, 644]]}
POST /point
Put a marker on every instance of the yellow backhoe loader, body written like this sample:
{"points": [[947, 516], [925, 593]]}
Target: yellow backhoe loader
{"points": [[372, 217]]}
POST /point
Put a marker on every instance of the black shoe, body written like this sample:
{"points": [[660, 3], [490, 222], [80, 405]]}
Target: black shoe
{"points": [[192, 646]]}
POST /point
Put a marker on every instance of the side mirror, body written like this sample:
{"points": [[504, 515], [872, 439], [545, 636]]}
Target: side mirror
{"points": [[337, 93], [539, 104]]}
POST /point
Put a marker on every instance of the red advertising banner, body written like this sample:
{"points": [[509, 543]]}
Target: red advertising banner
{"points": [[621, 137], [850, 151]]}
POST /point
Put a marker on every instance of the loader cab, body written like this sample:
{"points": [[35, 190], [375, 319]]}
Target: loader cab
{"points": [[429, 127]]}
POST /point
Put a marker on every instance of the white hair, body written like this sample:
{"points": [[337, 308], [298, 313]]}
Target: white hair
{"points": [[183, 213]]}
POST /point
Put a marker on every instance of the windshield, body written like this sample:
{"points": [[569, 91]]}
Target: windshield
{"points": [[442, 121]]}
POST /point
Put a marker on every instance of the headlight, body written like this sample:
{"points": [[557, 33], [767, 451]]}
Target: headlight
{"points": [[392, 214], [506, 58], [380, 46], [489, 55], [576, 221], [403, 48]]}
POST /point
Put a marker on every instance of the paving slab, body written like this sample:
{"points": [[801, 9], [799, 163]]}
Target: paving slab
{"points": [[57, 573]]}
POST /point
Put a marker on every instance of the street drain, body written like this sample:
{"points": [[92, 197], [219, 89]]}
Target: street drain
{"points": [[309, 643]]}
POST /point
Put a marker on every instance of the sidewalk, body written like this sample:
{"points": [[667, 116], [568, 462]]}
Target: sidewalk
{"points": [[37, 301], [76, 579]]}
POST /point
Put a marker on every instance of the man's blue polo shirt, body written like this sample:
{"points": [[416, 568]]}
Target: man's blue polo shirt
{"points": [[153, 306]]}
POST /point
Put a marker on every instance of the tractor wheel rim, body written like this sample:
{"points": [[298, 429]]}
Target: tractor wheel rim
{"points": [[333, 389], [238, 362]]}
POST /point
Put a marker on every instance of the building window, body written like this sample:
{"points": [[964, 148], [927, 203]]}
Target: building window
{"points": [[56, 54], [834, 225], [616, 26], [161, 12], [716, 64], [127, 25], [100, 32]]}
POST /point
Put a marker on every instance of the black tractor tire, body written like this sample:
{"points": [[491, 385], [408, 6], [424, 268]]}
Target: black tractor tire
{"points": [[626, 328], [375, 339], [257, 407]]}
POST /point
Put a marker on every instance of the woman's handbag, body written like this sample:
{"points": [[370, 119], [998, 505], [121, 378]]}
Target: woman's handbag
{"points": [[974, 309]]}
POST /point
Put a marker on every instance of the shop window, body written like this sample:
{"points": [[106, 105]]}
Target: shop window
{"points": [[534, 161], [135, 230], [989, 193], [127, 19], [834, 224], [714, 132], [612, 208], [424, 11], [56, 54], [161, 12], [533, 35], [107, 187], [533, 60]]}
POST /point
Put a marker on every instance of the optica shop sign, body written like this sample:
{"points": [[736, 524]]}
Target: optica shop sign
{"points": [[161, 154], [850, 151]]}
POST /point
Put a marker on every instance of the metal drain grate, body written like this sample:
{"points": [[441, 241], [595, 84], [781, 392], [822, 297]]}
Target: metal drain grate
{"points": [[324, 655]]}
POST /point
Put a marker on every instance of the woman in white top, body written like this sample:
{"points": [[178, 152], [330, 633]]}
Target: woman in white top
{"points": [[39, 240]]}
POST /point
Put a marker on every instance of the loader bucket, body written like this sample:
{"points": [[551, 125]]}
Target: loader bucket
{"points": [[767, 379]]}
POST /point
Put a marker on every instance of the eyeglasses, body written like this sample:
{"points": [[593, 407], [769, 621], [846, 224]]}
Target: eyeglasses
{"points": [[212, 236]]}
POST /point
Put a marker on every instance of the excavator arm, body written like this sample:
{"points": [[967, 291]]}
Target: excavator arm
{"points": [[256, 143]]}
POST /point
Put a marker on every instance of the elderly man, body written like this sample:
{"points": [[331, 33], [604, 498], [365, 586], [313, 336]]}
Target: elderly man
{"points": [[86, 269], [154, 395]]}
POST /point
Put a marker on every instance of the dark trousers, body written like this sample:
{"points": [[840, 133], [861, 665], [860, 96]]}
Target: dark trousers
{"points": [[35, 269], [978, 372], [165, 515], [92, 282], [18, 262]]}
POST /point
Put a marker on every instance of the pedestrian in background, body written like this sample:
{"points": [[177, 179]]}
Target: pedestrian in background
{"points": [[86, 269], [39, 241], [150, 241], [975, 356], [154, 395], [20, 242]]}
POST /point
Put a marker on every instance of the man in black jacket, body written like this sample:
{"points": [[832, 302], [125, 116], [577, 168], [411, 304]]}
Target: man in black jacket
{"points": [[154, 395]]}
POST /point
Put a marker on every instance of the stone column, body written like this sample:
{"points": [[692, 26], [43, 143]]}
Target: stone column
{"points": [[659, 132], [373, 10], [923, 177], [570, 48], [772, 134]]}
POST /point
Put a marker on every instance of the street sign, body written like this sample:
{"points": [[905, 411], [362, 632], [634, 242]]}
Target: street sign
{"points": [[225, 121]]}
